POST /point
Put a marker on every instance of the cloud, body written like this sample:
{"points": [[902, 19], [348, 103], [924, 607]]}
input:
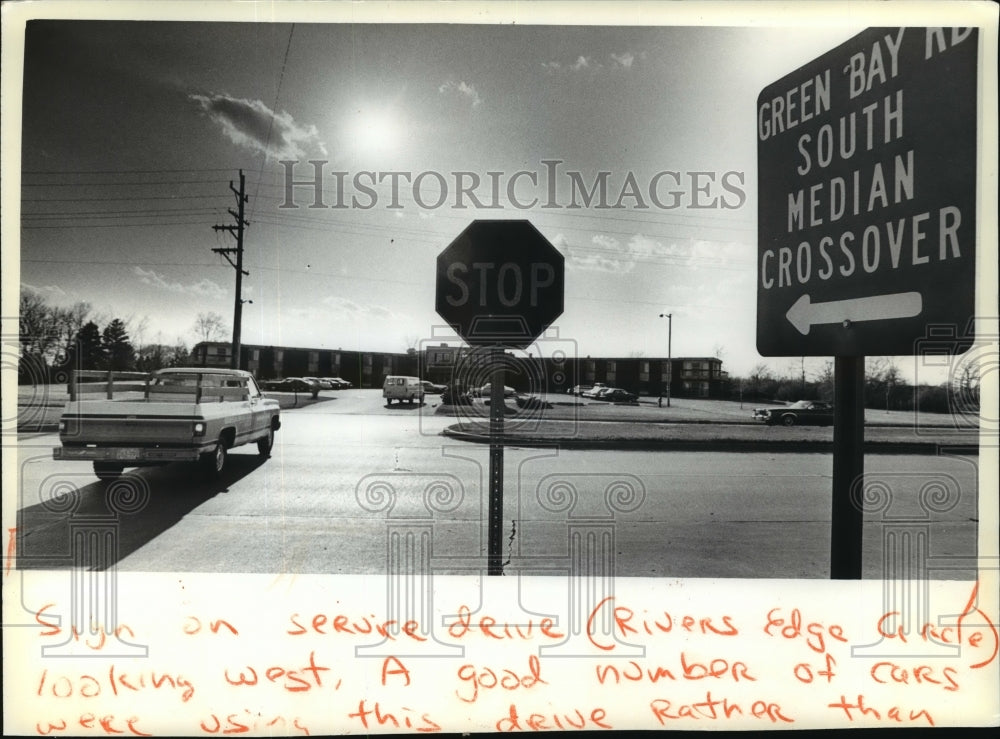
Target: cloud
{"points": [[609, 254], [250, 123], [204, 288], [606, 255], [43, 290], [623, 60], [584, 63], [462, 88], [347, 307], [731, 254]]}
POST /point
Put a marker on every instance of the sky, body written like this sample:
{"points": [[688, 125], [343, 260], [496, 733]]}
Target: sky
{"points": [[134, 131]]}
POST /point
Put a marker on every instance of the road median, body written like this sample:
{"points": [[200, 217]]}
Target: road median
{"points": [[716, 437]]}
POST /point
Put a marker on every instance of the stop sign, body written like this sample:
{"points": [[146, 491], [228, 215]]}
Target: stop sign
{"points": [[500, 282]]}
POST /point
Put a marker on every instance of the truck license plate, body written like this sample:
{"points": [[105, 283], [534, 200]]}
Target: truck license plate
{"points": [[127, 454]]}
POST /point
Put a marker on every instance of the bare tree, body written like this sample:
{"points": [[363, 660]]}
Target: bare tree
{"points": [[210, 326], [824, 379], [966, 380], [137, 328], [39, 323], [758, 375], [70, 321]]}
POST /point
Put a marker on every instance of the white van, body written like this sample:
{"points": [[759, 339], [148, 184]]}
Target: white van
{"points": [[399, 387]]}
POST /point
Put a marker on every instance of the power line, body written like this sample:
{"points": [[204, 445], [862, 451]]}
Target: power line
{"points": [[270, 124], [121, 184], [120, 263], [104, 199], [118, 225], [118, 213], [122, 171]]}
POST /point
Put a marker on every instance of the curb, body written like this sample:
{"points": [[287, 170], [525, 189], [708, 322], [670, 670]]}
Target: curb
{"points": [[447, 410], [697, 445]]}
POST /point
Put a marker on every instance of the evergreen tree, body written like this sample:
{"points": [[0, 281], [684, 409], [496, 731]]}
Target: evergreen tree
{"points": [[117, 346], [87, 350]]}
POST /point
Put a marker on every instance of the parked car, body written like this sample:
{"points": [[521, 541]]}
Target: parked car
{"points": [[323, 382], [814, 412], [530, 402], [486, 390], [339, 383], [593, 390], [401, 387], [617, 395], [579, 389], [292, 385], [433, 388]]}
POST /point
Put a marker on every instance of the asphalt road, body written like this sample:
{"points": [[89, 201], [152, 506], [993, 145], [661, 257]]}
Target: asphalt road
{"points": [[349, 478]]}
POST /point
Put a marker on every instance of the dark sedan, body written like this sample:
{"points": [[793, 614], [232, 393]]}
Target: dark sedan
{"points": [[813, 412], [292, 385], [617, 395]]}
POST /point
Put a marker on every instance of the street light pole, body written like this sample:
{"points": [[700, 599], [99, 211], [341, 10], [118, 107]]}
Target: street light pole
{"points": [[670, 368]]}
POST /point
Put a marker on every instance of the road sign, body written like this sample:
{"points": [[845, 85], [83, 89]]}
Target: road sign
{"points": [[500, 282], [867, 189]]}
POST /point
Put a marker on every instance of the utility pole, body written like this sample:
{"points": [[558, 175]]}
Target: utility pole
{"points": [[236, 231]]}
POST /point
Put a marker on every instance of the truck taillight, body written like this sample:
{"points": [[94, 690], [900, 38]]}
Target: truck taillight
{"points": [[199, 428], [62, 426]]}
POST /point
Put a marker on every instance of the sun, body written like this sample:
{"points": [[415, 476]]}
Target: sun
{"points": [[374, 131]]}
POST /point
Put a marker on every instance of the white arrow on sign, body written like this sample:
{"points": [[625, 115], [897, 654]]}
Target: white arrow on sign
{"points": [[803, 314]]}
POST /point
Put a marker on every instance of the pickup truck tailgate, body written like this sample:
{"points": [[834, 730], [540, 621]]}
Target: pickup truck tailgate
{"points": [[131, 423]]}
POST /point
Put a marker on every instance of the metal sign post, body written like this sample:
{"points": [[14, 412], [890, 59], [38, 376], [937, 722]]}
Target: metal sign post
{"points": [[848, 467], [497, 406]]}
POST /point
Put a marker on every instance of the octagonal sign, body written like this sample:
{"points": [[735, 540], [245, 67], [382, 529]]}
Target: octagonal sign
{"points": [[500, 282]]}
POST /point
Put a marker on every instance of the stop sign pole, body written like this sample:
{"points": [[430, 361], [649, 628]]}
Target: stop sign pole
{"points": [[500, 284], [497, 407]]}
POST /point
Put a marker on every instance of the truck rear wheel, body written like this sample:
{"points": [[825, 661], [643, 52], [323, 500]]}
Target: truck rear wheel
{"points": [[265, 443], [108, 470], [214, 462]]}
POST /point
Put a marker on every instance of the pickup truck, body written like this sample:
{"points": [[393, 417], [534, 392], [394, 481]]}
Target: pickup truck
{"points": [[171, 415]]}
